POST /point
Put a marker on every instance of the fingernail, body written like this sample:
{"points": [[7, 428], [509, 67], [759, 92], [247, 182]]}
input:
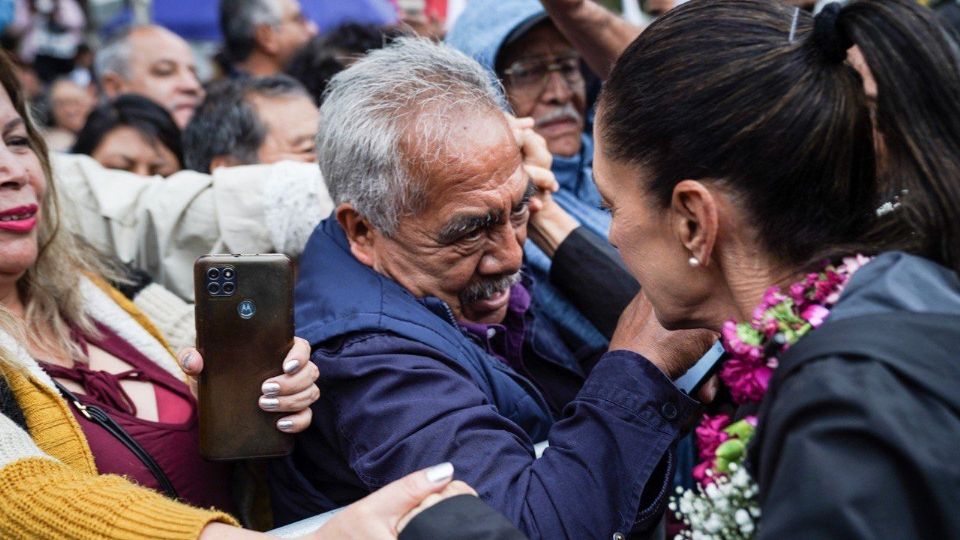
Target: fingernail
{"points": [[290, 366], [440, 473], [270, 389], [186, 359], [269, 403], [284, 425]]}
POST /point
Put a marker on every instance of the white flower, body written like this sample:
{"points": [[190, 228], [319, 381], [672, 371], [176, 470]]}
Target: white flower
{"points": [[713, 524], [742, 517], [712, 491]]}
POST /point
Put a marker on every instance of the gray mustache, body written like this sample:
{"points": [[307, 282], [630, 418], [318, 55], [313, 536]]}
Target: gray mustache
{"points": [[482, 290], [567, 112]]}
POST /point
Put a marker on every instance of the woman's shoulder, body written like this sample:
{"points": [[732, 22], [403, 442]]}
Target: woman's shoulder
{"points": [[899, 282]]}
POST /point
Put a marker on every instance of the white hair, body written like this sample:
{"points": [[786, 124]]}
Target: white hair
{"points": [[406, 91]]}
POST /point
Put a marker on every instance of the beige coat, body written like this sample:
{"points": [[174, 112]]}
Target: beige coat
{"points": [[162, 225]]}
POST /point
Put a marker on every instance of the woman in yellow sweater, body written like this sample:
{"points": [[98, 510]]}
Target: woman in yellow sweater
{"points": [[59, 320]]}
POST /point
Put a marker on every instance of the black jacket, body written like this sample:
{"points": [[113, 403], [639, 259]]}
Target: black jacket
{"points": [[859, 445], [463, 517]]}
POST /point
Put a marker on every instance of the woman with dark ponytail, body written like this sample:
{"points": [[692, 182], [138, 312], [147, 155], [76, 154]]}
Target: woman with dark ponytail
{"points": [[794, 183]]}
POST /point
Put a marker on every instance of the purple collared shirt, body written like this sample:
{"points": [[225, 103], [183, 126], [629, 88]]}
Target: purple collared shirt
{"points": [[505, 340]]}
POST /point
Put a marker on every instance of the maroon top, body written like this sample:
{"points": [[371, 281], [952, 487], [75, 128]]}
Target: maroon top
{"points": [[173, 441]]}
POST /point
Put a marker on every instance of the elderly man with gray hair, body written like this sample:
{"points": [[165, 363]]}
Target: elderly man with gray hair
{"points": [[155, 63], [260, 36], [412, 297]]}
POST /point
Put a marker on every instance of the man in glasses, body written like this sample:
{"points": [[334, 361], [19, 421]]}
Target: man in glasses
{"points": [[541, 74]]}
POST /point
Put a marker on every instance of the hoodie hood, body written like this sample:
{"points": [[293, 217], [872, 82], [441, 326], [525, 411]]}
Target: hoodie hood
{"points": [[910, 286], [897, 281], [485, 26]]}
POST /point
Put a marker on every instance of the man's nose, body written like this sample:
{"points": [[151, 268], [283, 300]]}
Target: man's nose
{"points": [[190, 83], [557, 89], [505, 254]]}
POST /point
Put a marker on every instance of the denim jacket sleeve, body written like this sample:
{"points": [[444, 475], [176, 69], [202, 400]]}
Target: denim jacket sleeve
{"points": [[606, 467]]}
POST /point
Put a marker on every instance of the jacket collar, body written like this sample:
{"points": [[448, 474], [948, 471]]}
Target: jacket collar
{"points": [[336, 293]]}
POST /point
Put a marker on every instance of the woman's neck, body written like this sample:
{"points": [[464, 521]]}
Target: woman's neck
{"points": [[747, 284], [10, 299]]}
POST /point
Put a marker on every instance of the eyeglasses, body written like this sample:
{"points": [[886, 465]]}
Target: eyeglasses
{"points": [[530, 76]]}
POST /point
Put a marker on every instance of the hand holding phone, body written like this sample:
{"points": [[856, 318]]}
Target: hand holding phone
{"points": [[244, 317]]}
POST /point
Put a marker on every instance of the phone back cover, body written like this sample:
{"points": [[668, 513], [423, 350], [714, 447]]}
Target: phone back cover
{"points": [[240, 353]]}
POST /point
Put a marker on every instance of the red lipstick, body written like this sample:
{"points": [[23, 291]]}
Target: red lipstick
{"points": [[21, 219]]}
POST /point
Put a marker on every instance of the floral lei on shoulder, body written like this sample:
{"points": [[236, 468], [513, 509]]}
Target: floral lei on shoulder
{"points": [[724, 506]]}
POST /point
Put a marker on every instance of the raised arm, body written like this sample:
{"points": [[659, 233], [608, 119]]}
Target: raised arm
{"points": [[597, 33], [162, 225]]}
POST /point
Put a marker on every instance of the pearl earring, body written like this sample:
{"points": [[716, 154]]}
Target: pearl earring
{"points": [[693, 262]]}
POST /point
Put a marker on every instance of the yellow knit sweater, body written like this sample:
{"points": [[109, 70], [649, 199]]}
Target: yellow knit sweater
{"points": [[49, 486]]}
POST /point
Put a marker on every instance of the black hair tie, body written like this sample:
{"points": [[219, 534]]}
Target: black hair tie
{"points": [[827, 36]]}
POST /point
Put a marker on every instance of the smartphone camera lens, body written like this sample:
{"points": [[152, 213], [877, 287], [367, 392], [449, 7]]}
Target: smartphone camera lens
{"points": [[213, 288], [228, 273], [213, 273], [228, 288]]}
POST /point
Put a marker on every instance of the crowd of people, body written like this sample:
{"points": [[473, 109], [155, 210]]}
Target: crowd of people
{"points": [[511, 241]]}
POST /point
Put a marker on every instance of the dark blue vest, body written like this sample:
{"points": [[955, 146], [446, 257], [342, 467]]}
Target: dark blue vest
{"points": [[337, 295]]}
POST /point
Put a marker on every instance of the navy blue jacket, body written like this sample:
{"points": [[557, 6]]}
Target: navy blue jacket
{"points": [[403, 388]]}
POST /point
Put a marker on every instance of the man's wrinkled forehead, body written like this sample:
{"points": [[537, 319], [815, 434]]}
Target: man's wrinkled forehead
{"points": [[473, 155]]}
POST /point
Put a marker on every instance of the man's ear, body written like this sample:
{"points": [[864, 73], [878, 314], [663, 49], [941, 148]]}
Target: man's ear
{"points": [[360, 233], [696, 222], [113, 85], [265, 38]]}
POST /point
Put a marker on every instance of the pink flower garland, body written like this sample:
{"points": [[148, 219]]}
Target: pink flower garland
{"points": [[781, 319]]}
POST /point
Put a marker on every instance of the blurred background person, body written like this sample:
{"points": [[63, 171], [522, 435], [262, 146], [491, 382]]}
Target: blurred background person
{"points": [[69, 105], [324, 56], [260, 36], [132, 133], [155, 63], [49, 33], [252, 120]]}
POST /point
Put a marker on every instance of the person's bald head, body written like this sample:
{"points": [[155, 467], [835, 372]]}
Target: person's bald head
{"points": [[153, 62]]}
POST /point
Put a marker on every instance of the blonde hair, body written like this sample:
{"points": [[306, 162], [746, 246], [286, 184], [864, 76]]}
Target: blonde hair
{"points": [[50, 291]]}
